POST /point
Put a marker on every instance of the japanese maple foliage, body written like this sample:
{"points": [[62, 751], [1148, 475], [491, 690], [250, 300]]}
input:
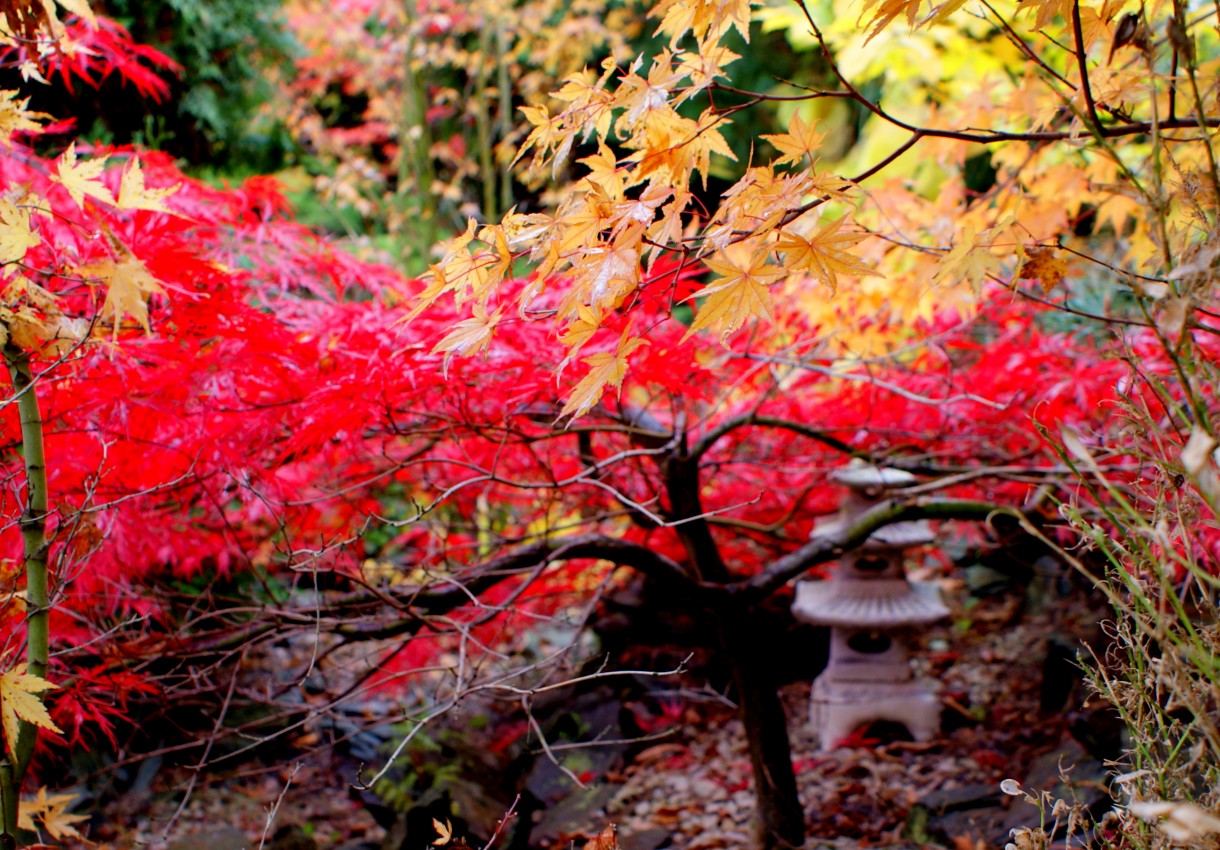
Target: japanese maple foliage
{"points": [[225, 392], [278, 393], [88, 49]]}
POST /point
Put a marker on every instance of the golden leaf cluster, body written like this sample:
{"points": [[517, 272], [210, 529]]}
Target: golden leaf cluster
{"points": [[993, 91], [627, 209], [30, 315]]}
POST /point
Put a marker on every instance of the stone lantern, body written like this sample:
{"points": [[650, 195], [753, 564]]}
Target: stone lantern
{"points": [[870, 606]]}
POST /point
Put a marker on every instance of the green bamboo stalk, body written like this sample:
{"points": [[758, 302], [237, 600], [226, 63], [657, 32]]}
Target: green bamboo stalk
{"points": [[415, 169], [482, 122], [33, 524], [10, 799], [504, 120]]}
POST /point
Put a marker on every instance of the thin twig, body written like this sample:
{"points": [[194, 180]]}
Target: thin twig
{"points": [[203, 759], [275, 808], [509, 814]]}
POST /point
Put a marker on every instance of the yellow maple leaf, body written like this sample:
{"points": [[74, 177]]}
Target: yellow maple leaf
{"points": [[579, 331], [822, 254], [494, 235], [755, 268], [885, 11], [799, 142], [970, 259], [81, 9], [14, 117], [437, 285], [661, 149], [590, 105], [1098, 24], [468, 272], [134, 195], [128, 285], [438, 277], [668, 228], [59, 823], [1045, 11], [444, 832], [607, 272], [940, 12], [707, 20], [639, 96], [545, 135], [736, 13], [25, 817], [81, 179], [19, 701], [16, 235], [31, 318], [730, 306], [52, 810], [468, 336], [603, 170], [639, 211], [703, 67], [606, 369], [30, 71], [670, 147], [707, 141], [677, 18]]}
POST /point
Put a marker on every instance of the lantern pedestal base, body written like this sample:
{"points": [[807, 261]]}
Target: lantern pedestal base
{"points": [[838, 708]]}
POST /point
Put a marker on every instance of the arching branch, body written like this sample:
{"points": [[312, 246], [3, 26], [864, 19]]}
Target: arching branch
{"points": [[828, 546]]}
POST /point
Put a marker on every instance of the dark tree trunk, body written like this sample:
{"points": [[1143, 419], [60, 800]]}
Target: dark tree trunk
{"points": [[780, 815]]}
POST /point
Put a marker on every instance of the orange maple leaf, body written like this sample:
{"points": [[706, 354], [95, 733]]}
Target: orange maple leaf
{"points": [[799, 142], [468, 336], [971, 259], [739, 295], [606, 369], [822, 254]]}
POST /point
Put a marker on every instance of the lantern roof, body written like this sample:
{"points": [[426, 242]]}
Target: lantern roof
{"points": [[860, 476], [898, 535], [868, 603]]}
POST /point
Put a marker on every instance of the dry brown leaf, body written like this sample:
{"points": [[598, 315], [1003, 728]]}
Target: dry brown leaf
{"points": [[605, 840], [26, 17], [1042, 265], [968, 842], [1173, 316]]}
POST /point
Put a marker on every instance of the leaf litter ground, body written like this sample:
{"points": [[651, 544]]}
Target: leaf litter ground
{"points": [[692, 790]]}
